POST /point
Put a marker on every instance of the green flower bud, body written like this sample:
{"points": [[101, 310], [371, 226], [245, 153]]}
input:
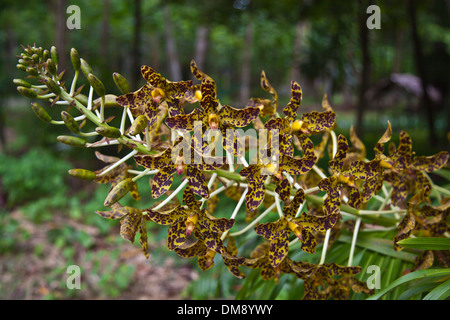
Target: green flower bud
{"points": [[27, 92], [45, 55], [109, 132], [70, 122], [51, 66], [23, 83], [72, 141], [54, 54], [82, 174], [35, 58], [85, 67], [121, 83], [21, 67], [138, 125], [120, 190], [75, 58], [96, 84], [40, 112], [52, 85], [32, 71]]}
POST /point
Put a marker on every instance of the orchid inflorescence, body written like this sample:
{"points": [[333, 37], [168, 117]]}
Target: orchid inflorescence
{"points": [[301, 202]]}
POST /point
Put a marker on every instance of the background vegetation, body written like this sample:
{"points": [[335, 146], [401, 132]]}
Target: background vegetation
{"points": [[47, 219]]}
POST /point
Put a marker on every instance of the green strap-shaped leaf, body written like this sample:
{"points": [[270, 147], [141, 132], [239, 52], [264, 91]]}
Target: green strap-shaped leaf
{"points": [[419, 274], [426, 243]]}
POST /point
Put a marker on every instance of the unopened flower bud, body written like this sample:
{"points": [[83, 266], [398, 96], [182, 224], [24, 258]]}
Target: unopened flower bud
{"points": [[180, 164], [72, 141], [121, 83], [54, 54], [23, 83], [108, 132], [75, 58], [52, 85], [35, 58], [45, 55], [27, 92], [51, 66], [85, 67], [31, 71], [40, 112], [120, 190], [138, 125], [70, 122], [82, 174], [96, 84], [21, 67]]}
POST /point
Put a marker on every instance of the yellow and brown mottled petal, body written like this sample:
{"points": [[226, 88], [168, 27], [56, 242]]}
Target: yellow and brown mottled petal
{"points": [[334, 269], [296, 166], [196, 71], [129, 226], [319, 121], [430, 163], [283, 188], [294, 103], [176, 235], [291, 209], [337, 163], [216, 225], [279, 248], [152, 77], [117, 211], [191, 250], [162, 181], [424, 261], [143, 240], [189, 199], [306, 145], [177, 90], [317, 223], [271, 230], [155, 162], [106, 158], [256, 192], [197, 181], [186, 121], [265, 84], [404, 151], [405, 228], [237, 117], [399, 187], [386, 137], [332, 203], [177, 214], [309, 242]]}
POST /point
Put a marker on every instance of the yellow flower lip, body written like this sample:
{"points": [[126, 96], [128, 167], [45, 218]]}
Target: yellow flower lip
{"points": [[180, 164], [349, 180], [300, 125], [198, 95], [213, 121], [272, 169], [210, 254], [158, 94], [297, 229], [190, 223]]}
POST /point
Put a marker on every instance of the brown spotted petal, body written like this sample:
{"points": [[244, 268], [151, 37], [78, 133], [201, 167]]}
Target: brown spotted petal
{"points": [[186, 121], [197, 248], [405, 228], [337, 163], [271, 230], [430, 163], [118, 211], [317, 224], [129, 226], [332, 203], [176, 235], [197, 181], [379, 146], [256, 193], [162, 181], [309, 242], [155, 162], [283, 188], [138, 101], [143, 240], [175, 215], [279, 248], [237, 117], [189, 199], [403, 155], [296, 98], [282, 126], [152, 77], [296, 166], [319, 121], [265, 84], [290, 210]]}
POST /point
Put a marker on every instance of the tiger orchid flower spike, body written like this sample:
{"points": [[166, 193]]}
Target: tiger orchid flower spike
{"points": [[286, 207]]}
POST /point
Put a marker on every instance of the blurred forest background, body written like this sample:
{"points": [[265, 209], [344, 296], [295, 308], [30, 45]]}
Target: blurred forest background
{"points": [[398, 73]]}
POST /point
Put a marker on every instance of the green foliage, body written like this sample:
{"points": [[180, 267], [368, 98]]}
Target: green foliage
{"points": [[35, 175]]}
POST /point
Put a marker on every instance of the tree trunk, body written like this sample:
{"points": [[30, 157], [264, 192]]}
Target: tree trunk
{"points": [[244, 94], [420, 66], [135, 51], [201, 46], [366, 66], [171, 47], [104, 45], [299, 32]]}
